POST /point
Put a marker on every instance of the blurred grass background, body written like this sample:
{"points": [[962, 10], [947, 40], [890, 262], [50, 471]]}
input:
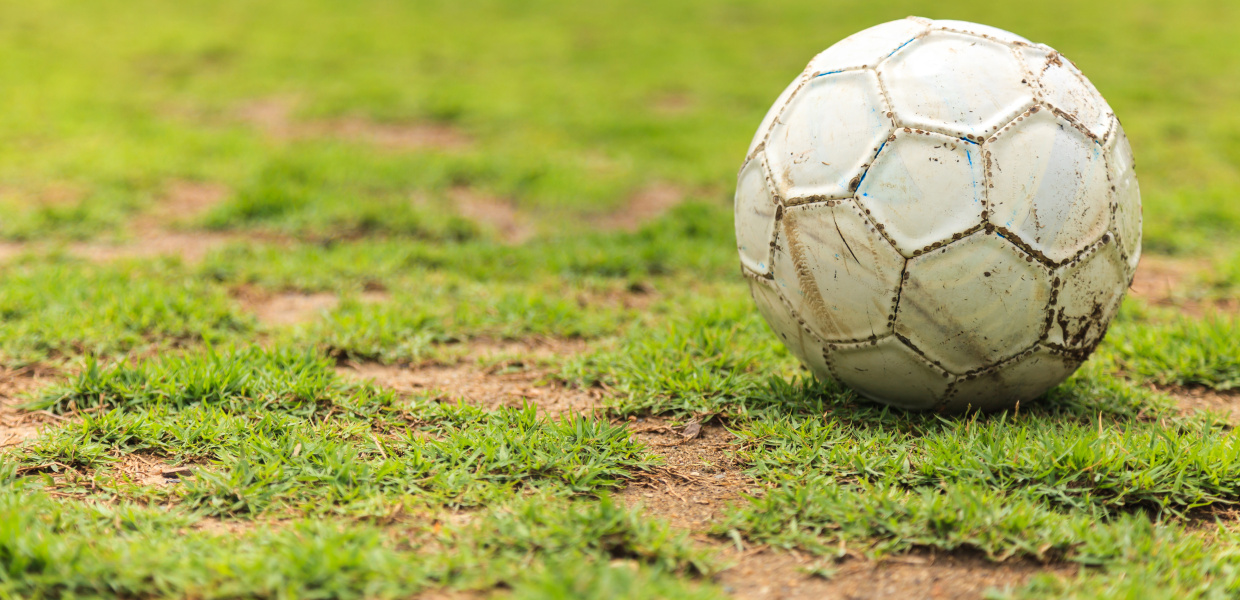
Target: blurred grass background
{"points": [[564, 108]]}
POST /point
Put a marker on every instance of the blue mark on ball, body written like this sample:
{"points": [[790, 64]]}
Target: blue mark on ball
{"points": [[910, 40], [829, 73]]}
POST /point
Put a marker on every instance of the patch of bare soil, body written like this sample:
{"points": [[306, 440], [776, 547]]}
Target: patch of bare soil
{"points": [[275, 118], [152, 233], [698, 478], [494, 213], [284, 308], [1163, 282], [150, 470], [491, 375], [782, 575], [11, 250], [644, 206], [17, 426], [191, 247], [672, 103], [1200, 399]]}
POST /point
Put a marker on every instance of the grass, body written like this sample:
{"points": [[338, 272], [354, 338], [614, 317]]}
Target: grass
{"points": [[342, 143], [86, 551]]}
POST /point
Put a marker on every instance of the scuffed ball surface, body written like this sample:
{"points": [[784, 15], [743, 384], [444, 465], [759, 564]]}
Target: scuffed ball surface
{"points": [[940, 215]]}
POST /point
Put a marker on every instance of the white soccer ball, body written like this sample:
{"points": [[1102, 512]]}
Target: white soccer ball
{"points": [[940, 215]]}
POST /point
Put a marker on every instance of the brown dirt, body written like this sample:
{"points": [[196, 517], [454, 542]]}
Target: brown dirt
{"points": [[494, 213], [491, 375], [1164, 282], [275, 118], [698, 479], [152, 233], [769, 574], [11, 250], [185, 200], [646, 205], [148, 469], [672, 103], [17, 426], [1199, 399], [190, 247], [284, 308]]}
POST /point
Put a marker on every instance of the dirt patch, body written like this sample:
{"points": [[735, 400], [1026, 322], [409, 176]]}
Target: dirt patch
{"points": [[493, 213], [491, 375], [275, 118], [11, 250], [189, 247], [284, 308], [700, 479], [1200, 399], [148, 469], [1168, 282], [672, 103], [16, 425], [185, 200], [152, 233], [770, 574], [646, 205], [699, 476]]}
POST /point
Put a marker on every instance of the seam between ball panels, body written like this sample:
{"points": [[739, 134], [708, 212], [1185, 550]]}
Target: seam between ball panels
{"points": [[1033, 80], [926, 28], [956, 237], [766, 135], [935, 26], [792, 311], [889, 326], [907, 342], [773, 190]]}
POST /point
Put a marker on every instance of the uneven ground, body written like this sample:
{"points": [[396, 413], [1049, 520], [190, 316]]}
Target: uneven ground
{"points": [[441, 301]]}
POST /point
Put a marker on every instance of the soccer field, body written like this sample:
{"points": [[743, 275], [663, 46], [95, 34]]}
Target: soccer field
{"points": [[433, 299]]}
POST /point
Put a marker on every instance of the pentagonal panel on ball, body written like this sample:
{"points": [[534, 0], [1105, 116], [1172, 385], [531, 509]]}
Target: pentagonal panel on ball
{"points": [[755, 217], [973, 303], [803, 345], [1065, 88], [1048, 185], [1091, 288], [829, 132], [845, 272], [956, 84], [924, 188], [1126, 197], [867, 47], [1019, 380], [773, 113], [890, 372]]}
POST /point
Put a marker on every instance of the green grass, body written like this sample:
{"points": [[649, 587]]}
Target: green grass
{"points": [[84, 551], [319, 122], [279, 430]]}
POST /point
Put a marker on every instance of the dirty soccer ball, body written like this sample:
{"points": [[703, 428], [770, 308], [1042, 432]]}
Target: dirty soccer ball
{"points": [[940, 215]]}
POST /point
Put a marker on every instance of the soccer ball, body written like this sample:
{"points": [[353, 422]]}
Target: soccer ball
{"points": [[940, 215]]}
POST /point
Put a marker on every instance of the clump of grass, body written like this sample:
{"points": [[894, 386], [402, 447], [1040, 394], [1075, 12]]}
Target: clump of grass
{"points": [[239, 380], [282, 430], [1183, 351], [69, 549], [61, 307]]}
